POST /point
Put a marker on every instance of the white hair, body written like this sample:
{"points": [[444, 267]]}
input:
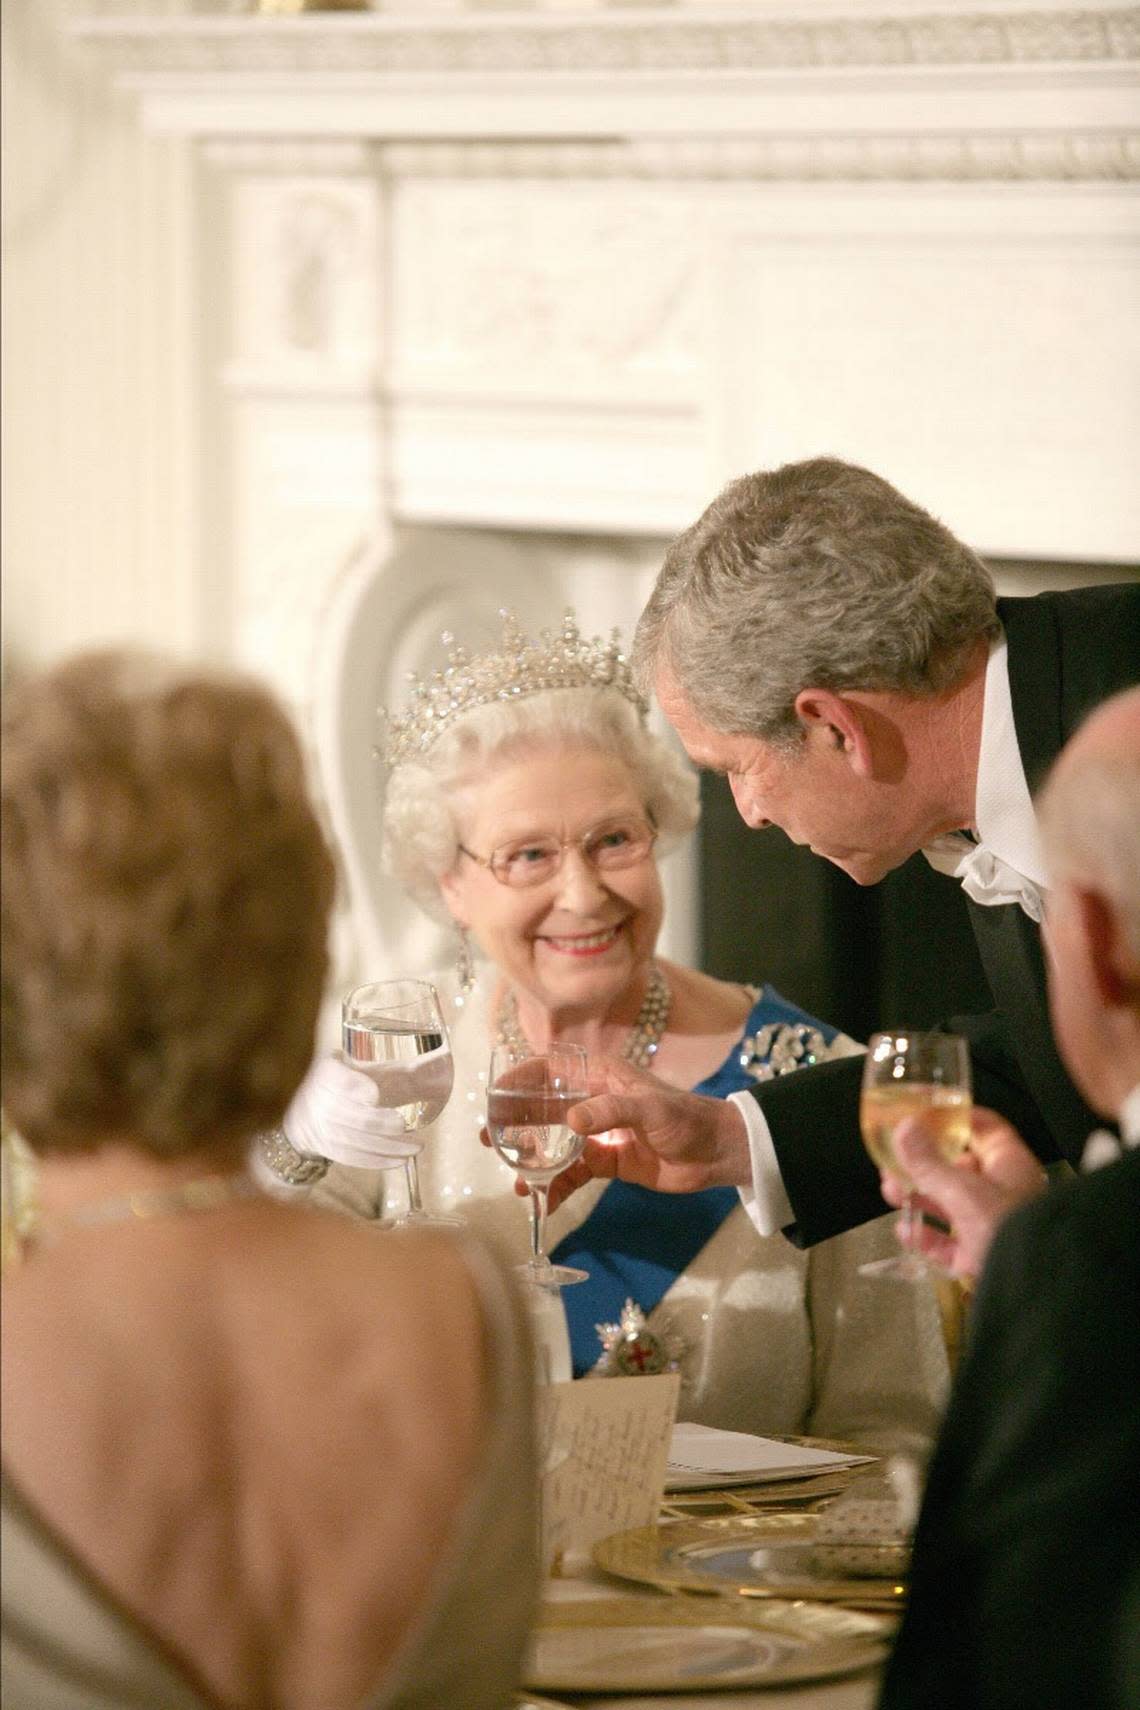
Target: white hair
{"points": [[423, 798]]}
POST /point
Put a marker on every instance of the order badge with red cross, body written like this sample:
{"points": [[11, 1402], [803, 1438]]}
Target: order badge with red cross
{"points": [[631, 1349]]}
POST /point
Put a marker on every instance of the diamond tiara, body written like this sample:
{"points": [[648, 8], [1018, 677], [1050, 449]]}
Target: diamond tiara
{"points": [[520, 667]]}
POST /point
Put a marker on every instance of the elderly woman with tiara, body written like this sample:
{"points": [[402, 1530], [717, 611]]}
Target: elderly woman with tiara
{"points": [[528, 802]]}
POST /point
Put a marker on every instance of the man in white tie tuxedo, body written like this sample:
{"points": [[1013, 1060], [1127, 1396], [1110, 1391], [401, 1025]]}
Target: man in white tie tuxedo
{"points": [[842, 658], [1025, 1583]]}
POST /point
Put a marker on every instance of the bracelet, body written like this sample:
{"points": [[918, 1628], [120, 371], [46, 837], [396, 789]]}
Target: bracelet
{"points": [[287, 1164]]}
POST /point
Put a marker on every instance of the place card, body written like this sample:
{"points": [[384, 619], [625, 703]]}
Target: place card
{"points": [[603, 1445]]}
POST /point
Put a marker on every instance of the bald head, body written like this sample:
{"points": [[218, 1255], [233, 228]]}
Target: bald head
{"points": [[1089, 809], [1089, 812]]}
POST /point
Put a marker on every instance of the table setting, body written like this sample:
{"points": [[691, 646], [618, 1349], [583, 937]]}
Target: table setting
{"points": [[683, 1565], [782, 1585]]}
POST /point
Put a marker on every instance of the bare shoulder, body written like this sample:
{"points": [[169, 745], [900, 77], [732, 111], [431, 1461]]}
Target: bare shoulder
{"points": [[428, 1280], [389, 1328], [702, 1004]]}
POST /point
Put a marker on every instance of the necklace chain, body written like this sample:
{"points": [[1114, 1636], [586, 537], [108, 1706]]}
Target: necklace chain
{"points": [[644, 1038], [203, 1193]]}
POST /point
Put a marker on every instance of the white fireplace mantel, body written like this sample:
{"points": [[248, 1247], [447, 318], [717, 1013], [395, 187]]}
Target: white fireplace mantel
{"points": [[899, 67], [518, 290], [546, 268]]}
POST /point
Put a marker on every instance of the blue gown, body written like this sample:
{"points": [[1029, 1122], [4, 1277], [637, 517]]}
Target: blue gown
{"points": [[636, 1242]]}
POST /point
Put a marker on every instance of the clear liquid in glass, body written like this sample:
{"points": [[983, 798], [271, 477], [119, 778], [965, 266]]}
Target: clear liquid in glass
{"points": [[529, 1131], [411, 1065]]}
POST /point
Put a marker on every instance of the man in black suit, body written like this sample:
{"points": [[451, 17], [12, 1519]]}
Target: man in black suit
{"points": [[842, 658], [1025, 1584]]}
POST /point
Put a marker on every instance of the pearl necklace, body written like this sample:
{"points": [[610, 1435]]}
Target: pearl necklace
{"points": [[645, 1036]]}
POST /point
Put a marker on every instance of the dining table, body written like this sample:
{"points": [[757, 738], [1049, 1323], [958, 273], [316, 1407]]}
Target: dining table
{"points": [[858, 1691], [641, 1581]]}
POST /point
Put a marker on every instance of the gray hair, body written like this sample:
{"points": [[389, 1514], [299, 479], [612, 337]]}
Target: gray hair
{"points": [[816, 575], [424, 798], [1088, 810]]}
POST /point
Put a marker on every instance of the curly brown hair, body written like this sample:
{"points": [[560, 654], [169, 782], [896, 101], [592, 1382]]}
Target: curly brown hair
{"points": [[165, 907]]}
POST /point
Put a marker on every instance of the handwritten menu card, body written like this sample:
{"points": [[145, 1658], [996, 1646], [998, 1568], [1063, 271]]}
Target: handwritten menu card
{"points": [[603, 1445]]}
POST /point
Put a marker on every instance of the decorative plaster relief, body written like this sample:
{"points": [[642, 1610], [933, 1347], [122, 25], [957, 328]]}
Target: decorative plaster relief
{"points": [[305, 272], [514, 281]]}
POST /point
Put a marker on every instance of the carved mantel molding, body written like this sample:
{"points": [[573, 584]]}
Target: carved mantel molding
{"points": [[882, 91], [650, 39], [508, 294]]}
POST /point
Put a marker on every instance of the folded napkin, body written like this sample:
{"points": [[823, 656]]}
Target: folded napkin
{"points": [[701, 1458], [865, 1533]]}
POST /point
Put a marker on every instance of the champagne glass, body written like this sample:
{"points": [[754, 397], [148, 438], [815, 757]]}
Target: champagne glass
{"points": [[394, 1031], [913, 1074], [527, 1101]]}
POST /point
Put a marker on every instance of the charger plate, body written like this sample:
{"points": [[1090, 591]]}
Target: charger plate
{"points": [[742, 1555], [745, 1498], [639, 1644]]}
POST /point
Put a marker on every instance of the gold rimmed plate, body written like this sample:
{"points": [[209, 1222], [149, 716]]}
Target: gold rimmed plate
{"points": [[744, 1555], [638, 1644], [788, 1493]]}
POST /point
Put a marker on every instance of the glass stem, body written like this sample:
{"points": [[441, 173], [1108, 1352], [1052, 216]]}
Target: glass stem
{"points": [[412, 1177], [538, 1258], [910, 1217]]}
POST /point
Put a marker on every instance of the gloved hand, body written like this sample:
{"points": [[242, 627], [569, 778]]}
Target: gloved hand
{"points": [[336, 1114]]}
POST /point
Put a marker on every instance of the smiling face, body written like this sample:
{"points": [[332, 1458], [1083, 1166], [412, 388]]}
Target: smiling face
{"points": [[851, 791], [582, 940]]}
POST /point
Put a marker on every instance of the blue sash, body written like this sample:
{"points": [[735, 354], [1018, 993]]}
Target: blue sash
{"points": [[636, 1242]]}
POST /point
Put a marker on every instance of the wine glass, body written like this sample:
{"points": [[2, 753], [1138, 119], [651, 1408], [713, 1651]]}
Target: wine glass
{"points": [[913, 1074], [527, 1101], [394, 1031]]}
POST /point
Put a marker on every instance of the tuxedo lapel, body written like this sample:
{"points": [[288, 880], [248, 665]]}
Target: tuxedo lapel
{"points": [[1067, 652], [1009, 944], [1034, 660]]}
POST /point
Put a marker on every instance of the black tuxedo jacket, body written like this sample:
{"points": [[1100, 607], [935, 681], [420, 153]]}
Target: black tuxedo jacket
{"points": [[1067, 652], [1025, 1581]]}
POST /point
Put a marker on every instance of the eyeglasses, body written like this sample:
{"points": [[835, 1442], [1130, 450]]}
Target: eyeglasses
{"points": [[608, 847]]}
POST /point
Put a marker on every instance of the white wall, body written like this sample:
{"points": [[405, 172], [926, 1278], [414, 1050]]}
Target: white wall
{"points": [[98, 536], [106, 394]]}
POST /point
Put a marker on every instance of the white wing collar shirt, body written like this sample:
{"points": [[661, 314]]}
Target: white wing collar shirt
{"points": [[1102, 1148], [1004, 865]]}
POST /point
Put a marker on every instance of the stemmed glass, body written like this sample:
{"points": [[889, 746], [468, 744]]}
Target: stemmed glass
{"points": [[913, 1074], [527, 1102], [394, 1031]]}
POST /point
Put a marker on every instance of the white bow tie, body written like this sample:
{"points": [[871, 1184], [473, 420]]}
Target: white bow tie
{"points": [[984, 877]]}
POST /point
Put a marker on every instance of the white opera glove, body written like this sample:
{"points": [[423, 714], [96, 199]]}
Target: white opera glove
{"points": [[336, 1114]]}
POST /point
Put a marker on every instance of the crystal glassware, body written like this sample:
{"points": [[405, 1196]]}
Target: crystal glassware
{"points": [[394, 1031], [908, 1074], [527, 1102]]}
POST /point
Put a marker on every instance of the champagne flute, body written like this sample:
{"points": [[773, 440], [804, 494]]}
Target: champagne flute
{"points": [[394, 1031], [913, 1074], [527, 1101]]}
